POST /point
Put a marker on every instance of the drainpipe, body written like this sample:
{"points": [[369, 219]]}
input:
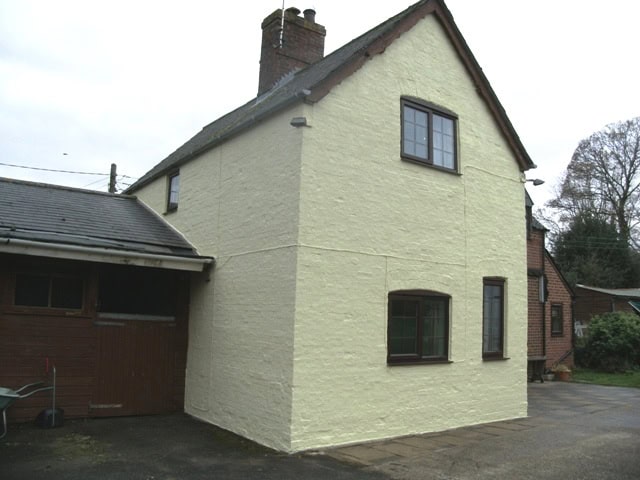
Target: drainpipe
{"points": [[544, 298]]}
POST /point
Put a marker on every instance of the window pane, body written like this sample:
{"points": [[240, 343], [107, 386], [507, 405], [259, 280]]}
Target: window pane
{"points": [[137, 290], [403, 327], [443, 142], [447, 126], [409, 131], [437, 141], [447, 160], [421, 135], [409, 114], [32, 290], [433, 327], [415, 133], [66, 292], [174, 191], [437, 158], [556, 319], [409, 147], [437, 123]]}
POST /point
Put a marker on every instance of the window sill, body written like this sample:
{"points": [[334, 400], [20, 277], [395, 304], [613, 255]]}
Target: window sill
{"points": [[419, 362], [136, 317], [495, 359], [424, 163], [45, 312]]}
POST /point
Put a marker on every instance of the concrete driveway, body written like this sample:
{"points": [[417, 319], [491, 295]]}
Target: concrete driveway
{"points": [[573, 431]]}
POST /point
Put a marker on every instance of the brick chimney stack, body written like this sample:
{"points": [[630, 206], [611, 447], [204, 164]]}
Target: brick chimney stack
{"points": [[301, 43]]}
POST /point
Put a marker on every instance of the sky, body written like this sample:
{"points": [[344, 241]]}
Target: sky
{"points": [[84, 84]]}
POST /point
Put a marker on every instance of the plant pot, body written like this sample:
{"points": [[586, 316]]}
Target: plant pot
{"points": [[548, 377], [563, 376]]}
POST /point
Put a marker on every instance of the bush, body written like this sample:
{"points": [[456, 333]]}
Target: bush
{"points": [[613, 344]]}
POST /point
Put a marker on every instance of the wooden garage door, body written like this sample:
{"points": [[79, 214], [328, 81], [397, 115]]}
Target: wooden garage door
{"points": [[135, 367]]}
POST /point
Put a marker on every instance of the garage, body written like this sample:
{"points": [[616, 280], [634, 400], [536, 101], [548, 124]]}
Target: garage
{"points": [[98, 286]]}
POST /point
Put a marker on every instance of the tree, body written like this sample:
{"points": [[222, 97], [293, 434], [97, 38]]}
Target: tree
{"points": [[602, 180], [591, 252]]}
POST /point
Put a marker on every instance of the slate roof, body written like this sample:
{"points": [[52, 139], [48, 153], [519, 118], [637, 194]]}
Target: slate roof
{"points": [[62, 215], [313, 82], [534, 223]]}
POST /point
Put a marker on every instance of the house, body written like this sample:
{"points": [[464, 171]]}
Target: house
{"points": [[550, 309], [592, 301], [365, 214], [96, 285]]}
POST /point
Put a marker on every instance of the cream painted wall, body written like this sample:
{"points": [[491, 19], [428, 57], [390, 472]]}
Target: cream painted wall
{"points": [[371, 223], [312, 227], [238, 203]]}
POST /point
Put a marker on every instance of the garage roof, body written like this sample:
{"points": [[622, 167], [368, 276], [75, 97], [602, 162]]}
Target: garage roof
{"points": [[49, 220]]}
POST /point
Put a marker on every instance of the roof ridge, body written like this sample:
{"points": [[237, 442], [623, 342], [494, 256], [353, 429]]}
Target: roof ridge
{"points": [[52, 186]]}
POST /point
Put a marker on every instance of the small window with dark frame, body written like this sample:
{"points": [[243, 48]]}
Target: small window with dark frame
{"points": [[418, 327], [173, 195], [428, 135], [556, 321], [493, 318], [49, 291]]}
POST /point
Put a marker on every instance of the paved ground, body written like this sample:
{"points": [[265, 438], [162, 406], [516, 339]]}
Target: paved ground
{"points": [[573, 432]]}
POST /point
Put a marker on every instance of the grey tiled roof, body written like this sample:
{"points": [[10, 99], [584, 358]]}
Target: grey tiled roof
{"points": [[303, 84], [62, 215], [615, 292]]}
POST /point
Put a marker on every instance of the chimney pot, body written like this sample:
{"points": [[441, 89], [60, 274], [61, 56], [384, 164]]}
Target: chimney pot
{"points": [[293, 10], [310, 15]]}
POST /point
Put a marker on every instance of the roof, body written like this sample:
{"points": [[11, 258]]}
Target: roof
{"points": [[38, 214], [312, 83], [615, 292], [534, 222]]}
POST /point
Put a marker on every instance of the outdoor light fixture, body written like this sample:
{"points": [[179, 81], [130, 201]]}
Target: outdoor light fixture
{"points": [[299, 122], [536, 181]]}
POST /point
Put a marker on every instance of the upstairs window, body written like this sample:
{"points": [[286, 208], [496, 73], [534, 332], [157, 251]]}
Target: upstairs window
{"points": [[418, 327], [428, 135], [173, 190]]}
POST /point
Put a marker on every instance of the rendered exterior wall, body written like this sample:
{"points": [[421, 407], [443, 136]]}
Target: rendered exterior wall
{"points": [[238, 203], [371, 223]]}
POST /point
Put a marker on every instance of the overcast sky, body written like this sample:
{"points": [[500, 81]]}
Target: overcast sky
{"points": [[84, 84]]}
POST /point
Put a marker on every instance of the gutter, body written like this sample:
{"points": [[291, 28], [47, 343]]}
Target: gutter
{"points": [[104, 255]]}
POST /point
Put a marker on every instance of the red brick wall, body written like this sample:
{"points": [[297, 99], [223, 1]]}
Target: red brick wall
{"points": [[302, 45], [535, 249], [538, 263], [559, 294], [534, 341], [590, 303]]}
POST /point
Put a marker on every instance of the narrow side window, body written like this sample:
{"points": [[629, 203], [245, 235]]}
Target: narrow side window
{"points": [[493, 318], [173, 190], [556, 320]]}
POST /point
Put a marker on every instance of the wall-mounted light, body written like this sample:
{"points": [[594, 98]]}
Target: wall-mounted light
{"points": [[299, 122], [536, 181]]}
